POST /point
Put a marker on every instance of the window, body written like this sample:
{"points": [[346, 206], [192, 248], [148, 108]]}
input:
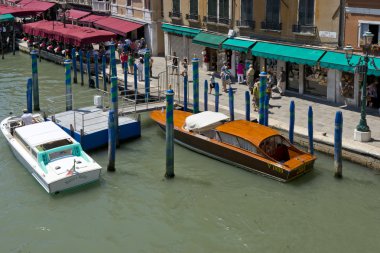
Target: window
{"points": [[224, 9], [194, 7], [306, 12], [373, 28], [273, 12], [246, 10], [147, 4], [176, 6], [315, 81], [212, 8], [129, 2]]}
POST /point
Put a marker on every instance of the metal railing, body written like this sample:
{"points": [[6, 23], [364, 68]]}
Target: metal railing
{"points": [[271, 26], [304, 29], [175, 14], [246, 23], [210, 19], [225, 21], [192, 17]]}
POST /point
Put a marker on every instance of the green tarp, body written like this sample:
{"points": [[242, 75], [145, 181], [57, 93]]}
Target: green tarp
{"points": [[180, 30], [6, 18], [372, 70], [209, 40], [238, 45], [334, 60], [294, 54]]}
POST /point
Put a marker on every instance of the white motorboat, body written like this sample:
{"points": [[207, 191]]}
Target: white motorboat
{"points": [[52, 156]]}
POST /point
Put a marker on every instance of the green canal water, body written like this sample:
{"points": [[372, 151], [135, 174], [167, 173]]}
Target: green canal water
{"points": [[208, 207]]}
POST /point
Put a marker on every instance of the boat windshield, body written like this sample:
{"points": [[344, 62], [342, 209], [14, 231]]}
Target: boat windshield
{"points": [[54, 144], [276, 147]]}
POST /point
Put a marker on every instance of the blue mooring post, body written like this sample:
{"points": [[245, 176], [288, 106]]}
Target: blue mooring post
{"points": [[206, 95], [29, 95], [216, 97], [262, 88], [81, 66], [115, 106], [310, 130], [96, 61], [88, 61], [125, 77], [69, 93], [247, 106], [185, 87], [338, 144], [195, 62], [104, 73], [147, 75], [111, 141], [291, 122], [135, 77], [231, 103], [266, 110], [169, 134], [113, 60], [74, 59], [36, 93]]}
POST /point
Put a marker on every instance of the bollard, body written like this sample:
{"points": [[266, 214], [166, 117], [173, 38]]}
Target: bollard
{"points": [[262, 89], [104, 73], [147, 76], [135, 77], [29, 95], [69, 94], [81, 66], [291, 122], [115, 106], [266, 110], [88, 57], [205, 95], [74, 59], [310, 130], [195, 62], [125, 78], [247, 106], [338, 144], [96, 61], [216, 97], [185, 87], [169, 134], [36, 94], [231, 103], [111, 141], [113, 60]]}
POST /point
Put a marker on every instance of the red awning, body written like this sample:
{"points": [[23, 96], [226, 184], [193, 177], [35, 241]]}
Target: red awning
{"points": [[91, 19], [18, 11], [118, 26], [71, 34], [37, 5], [76, 14]]}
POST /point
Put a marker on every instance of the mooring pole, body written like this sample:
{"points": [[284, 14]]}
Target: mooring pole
{"points": [[266, 110], [195, 62], [169, 134], [74, 59], [135, 77], [29, 95], [338, 144], [14, 38], [231, 103], [185, 88], [206, 95], [247, 106], [115, 106], [81, 66], [2, 47], [125, 77], [113, 60], [216, 97], [104, 73], [96, 61], [262, 88], [291, 122], [36, 93], [88, 56], [69, 94], [111, 141], [147, 75], [310, 130]]}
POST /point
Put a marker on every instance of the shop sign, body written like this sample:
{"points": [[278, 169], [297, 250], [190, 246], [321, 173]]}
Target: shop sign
{"points": [[327, 34]]}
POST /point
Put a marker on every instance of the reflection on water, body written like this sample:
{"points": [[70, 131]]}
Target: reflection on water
{"points": [[208, 207]]}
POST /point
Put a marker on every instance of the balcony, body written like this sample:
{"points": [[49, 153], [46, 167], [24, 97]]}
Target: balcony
{"points": [[210, 19], [217, 20], [246, 24], [273, 26], [175, 15], [224, 21], [101, 6], [192, 17], [305, 30]]}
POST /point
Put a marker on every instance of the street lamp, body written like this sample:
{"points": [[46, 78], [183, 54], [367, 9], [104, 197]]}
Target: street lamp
{"points": [[362, 132]]}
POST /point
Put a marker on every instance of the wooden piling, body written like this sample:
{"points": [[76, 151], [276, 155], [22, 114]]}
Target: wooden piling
{"points": [[195, 62], [88, 62], [135, 78], [2, 46], [104, 73], [29, 95], [147, 75], [36, 93], [69, 95], [96, 62], [216, 97], [169, 134], [81, 67], [266, 110], [231, 103], [247, 106], [125, 77], [205, 95], [262, 89], [111, 141], [291, 122], [74, 59], [310, 130], [185, 94], [113, 71], [338, 144], [14, 38], [115, 106]]}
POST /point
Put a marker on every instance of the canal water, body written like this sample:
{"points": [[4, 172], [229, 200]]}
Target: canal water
{"points": [[208, 207]]}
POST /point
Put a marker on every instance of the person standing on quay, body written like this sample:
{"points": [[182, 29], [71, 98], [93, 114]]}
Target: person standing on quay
{"points": [[281, 83], [131, 62], [140, 68], [250, 78], [240, 72]]}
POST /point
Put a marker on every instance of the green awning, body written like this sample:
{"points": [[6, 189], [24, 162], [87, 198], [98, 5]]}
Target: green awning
{"points": [[180, 30], [209, 40], [372, 70], [294, 54], [334, 60], [6, 18], [238, 45]]}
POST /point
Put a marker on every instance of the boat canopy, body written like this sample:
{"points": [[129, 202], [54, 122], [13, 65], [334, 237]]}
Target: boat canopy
{"points": [[204, 121], [44, 132]]}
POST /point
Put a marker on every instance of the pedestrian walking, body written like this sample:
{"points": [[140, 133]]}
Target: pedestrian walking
{"points": [[212, 82], [131, 62], [250, 78], [225, 74], [240, 72], [123, 59], [256, 95], [140, 68], [281, 83]]}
